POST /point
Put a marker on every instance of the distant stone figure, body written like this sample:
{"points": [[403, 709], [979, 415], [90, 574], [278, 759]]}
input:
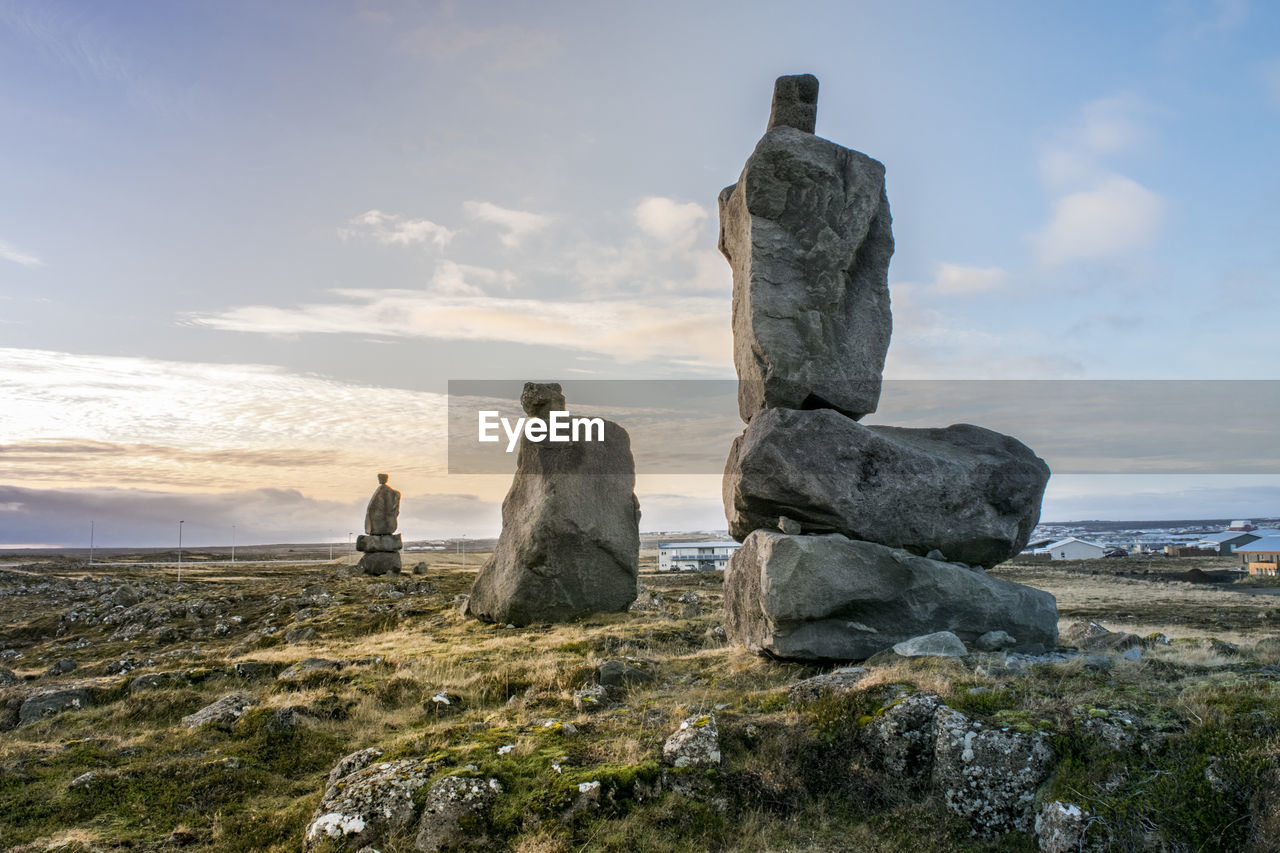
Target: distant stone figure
{"points": [[380, 543], [383, 514]]}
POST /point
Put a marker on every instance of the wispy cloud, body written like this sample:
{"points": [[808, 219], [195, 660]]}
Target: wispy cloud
{"points": [[958, 280], [10, 252], [689, 330], [516, 224], [670, 221], [393, 229]]}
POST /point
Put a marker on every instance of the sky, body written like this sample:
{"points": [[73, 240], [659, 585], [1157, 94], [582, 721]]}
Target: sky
{"points": [[244, 246]]}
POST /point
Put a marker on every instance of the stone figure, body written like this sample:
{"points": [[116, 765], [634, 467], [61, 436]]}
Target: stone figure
{"points": [[383, 513]]}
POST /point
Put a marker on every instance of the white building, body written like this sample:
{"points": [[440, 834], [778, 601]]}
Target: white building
{"points": [[1072, 548], [694, 556]]}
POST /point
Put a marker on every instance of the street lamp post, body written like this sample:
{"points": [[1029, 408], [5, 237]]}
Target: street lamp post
{"points": [[180, 523]]}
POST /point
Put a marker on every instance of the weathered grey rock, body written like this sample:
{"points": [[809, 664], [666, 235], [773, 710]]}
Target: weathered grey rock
{"points": [[368, 806], [62, 667], [308, 667], [995, 641], [224, 712], [7, 678], [383, 513], [695, 744], [349, 764], [831, 598], [938, 644], [380, 563], [301, 634], [454, 814], [834, 683], [987, 776], [540, 399], [1060, 828], [53, 702], [901, 738], [789, 525], [379, 542], [808, 235], [970, 492], [591, 697], [625, 673], [570, 542], [1092, 637], [795, 103]]}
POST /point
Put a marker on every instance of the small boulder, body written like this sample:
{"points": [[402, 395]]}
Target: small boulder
{"points": [[52, 703], [591, 697], [224, 712], [308, 667], [61, 667], [367, 806], [995, 641], [1060, 827], [937, 644], [454, 814], [695, 744], [842, 680], [300, 634], [790, 525], [7, 678], [349, 764], [625, 673]]}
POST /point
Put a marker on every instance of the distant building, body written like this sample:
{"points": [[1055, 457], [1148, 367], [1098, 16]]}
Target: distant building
{"points": [[694, 556], [1242, 524], [1223, 543], [1261, 557], [1071, 548]]}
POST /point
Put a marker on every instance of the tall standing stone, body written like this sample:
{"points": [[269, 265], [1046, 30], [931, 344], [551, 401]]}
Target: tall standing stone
{"points": [[380, 543], [807, 232], [570, 541]]}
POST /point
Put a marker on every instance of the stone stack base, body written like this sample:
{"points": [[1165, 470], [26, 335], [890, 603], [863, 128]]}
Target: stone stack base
{"points": [[381, 553]]}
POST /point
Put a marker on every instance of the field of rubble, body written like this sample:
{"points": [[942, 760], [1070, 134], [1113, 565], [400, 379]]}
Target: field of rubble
{"points": [[284, 707]]}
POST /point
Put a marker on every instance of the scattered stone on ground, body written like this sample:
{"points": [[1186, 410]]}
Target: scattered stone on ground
{"points": [[224, 712], [937, 644], [454, 814], [695, 744]]}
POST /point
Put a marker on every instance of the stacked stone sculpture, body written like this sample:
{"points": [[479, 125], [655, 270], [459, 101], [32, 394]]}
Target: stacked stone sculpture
{"points": [[380, 543], [570, 541], [854, 537]]}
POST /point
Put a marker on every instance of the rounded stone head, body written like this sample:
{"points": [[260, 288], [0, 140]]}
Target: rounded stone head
{"points": [[795, 103], [541, 398], [382, 478]]}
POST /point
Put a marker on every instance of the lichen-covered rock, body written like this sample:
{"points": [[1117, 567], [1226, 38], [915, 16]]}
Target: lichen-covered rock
{"points": [[52, 703], [454, 814], [987, 776], [832, 598], [1091, 637], [937, 644], [841, 680], [695, 744], [901, 738], [591, 697], [366, 806], [971, 492], [1060, 828], [224, 712]]}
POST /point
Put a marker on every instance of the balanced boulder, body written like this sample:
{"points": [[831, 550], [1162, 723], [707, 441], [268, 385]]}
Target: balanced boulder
{"points": [[970, 492], [380, 544], [827, 597], [807, 232]]}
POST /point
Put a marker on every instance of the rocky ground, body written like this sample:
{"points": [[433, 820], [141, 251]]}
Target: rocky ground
{"points": [[260, 707]]}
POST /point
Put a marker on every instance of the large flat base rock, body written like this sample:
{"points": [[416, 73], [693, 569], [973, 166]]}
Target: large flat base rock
{"points": [[827, 597], [372, 542], [380, 563], [570, 542], [969, 492]]}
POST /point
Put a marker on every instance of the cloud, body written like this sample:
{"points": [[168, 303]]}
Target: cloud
{"points": [[517, 224], [669, 221], [1110, 219], [957, 280], [392, 229], [148, 516], [455, 279], [10, 252], [106, 420], [690, 330]]}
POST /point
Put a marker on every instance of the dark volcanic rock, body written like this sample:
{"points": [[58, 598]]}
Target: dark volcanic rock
{"points": [[808, 234], [570, 542], [970, 492], [832, 598]]}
